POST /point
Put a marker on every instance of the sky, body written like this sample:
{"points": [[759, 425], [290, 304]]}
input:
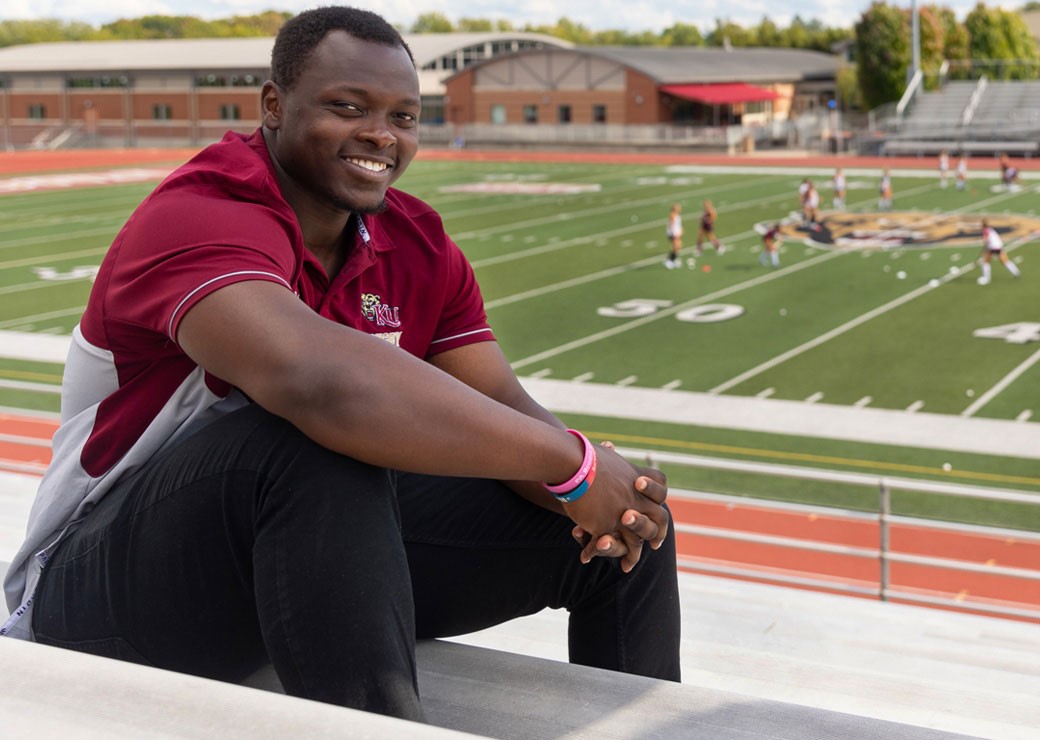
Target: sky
{"points": [[629, 15]]}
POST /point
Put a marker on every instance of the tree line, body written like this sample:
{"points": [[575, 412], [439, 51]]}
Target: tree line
{"points": [[990, 41]]}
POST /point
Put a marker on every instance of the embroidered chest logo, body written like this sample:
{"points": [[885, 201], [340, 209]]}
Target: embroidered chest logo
{"points": [[373, 309]]}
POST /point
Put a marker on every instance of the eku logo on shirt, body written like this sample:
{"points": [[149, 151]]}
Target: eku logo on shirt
{"points": [[373, 309]]}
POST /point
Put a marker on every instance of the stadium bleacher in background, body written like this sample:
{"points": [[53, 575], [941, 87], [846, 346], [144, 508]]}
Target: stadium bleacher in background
{"points": [[976, 117]]}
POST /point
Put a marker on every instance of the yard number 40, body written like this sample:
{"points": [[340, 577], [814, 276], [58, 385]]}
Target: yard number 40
{"points": [[1018, 333]]}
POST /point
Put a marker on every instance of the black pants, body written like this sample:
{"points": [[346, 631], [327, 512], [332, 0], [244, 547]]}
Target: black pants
{"points": [[249, 543]]}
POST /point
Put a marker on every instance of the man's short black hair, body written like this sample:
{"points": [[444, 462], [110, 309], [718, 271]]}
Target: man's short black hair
{"points": [[300, 35]]}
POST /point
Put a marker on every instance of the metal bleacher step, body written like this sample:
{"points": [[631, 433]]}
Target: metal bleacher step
{"points": [[48, 692]]}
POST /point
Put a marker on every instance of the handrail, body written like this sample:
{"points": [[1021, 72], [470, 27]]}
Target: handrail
{"points": [[883, 589], [833, 476], [973, 103], [908, 94]]}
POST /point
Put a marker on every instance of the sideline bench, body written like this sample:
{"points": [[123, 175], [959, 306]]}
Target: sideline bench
{"points": [[47, 692]]}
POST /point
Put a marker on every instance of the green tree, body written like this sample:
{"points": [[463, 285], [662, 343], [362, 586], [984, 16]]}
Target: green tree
{"points": [[847, 84], [767, 33], [796, 35], [682, 34], [432, 23], [882, 54], [1022, 46], [475, 25], [728, 32], [36, 32], [955, 42], [933, 44], [1000, 43]]}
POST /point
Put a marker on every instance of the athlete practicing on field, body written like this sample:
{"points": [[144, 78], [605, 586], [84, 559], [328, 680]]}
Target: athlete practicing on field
{"points": [[840, 188], [962, 172], [811, 205], [674, 232], [993, 246], [771, 241], [289, 436], [1008, 173], [885, 192], [707, 230], [944, 168]]}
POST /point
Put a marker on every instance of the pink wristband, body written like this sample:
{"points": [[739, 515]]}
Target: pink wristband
{"points": [[587, 469]]}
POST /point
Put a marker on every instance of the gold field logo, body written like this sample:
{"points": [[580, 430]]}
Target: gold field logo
{"points": [[839, 230]]}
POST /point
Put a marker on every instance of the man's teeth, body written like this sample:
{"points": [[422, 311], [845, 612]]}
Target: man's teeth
{"points": [[368, 164]]}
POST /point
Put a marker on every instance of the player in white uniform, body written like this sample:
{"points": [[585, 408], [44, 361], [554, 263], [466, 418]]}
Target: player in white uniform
{"points": [[992, 245], [944, 168], [839, 190], [803, 192], [885, 192], [962, 172], [674, 232]]}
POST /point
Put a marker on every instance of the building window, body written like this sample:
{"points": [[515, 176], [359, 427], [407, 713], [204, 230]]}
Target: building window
{"points": [[77, 82], [432, 110], [530, 114], [498, 114], [235, 80], [229, 112], [37, 111], [599, 114], [162, 112], [563, 114]]}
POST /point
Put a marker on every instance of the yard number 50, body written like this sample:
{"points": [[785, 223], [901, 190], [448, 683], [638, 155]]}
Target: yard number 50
{"points": [[706, 314]]}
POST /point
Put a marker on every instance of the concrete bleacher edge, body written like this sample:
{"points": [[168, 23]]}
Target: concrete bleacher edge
{"points": [[47, 692]]}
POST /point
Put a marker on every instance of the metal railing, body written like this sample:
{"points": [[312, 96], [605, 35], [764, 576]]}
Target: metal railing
{"points": [[883, 554]]}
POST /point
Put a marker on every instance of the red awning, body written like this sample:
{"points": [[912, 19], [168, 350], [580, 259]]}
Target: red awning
{"points": [[721, 94]]}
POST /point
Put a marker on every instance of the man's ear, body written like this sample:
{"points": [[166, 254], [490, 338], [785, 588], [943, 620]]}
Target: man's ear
{"points": [[271, 105]]}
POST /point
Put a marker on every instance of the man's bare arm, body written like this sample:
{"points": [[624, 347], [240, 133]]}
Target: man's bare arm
{"points": [[358, 395]]}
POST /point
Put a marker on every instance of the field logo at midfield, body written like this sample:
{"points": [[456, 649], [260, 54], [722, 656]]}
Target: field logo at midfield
{"points": [[840, 230]]}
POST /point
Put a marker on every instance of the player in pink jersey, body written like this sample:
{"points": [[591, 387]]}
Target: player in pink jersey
{"points": [[289, 436]]}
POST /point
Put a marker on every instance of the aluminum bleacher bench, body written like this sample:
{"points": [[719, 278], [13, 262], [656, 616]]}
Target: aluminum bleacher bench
{"points": [[47, 693], [923, 147]]}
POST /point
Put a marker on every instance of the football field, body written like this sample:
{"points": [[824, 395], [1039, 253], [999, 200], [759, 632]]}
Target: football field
{"points": [[867, 311]]}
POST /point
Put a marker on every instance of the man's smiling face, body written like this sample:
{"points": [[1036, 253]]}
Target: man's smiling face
{"points": [[348, 127]]}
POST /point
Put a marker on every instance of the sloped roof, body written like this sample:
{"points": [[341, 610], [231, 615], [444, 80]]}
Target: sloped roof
{"points": [[224, 53], [678, 65], [122, 56], [427, 47]]}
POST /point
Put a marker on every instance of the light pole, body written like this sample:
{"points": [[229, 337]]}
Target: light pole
{"points": [[915, 41]]}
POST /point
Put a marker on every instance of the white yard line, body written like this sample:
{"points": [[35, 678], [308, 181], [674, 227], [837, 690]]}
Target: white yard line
{"points": [[658, 315], [826, 336], [1001, 384], [29, 320]]}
